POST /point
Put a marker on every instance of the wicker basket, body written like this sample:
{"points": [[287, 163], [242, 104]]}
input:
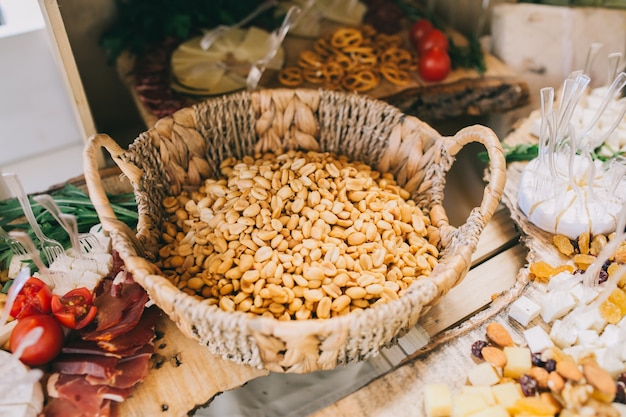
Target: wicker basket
{"points": [[187, 147]]}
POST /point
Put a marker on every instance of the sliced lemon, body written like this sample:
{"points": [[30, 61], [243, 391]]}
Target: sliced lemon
{"points": [[221, 68]]}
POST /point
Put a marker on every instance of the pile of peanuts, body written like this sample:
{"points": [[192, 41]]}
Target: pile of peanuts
{"points": [[352, 59], [296, 236]]}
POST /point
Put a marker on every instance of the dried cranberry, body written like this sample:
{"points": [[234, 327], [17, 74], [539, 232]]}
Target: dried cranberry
{"points": [[528, 385], [536, 360], [602, 276], [477, 348], [550, 365], [620, 395], [622, 378]]}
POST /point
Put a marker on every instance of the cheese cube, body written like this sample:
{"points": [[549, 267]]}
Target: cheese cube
{"points": [[480, 391], [493, 411], [538, 340], [611, 336], [562, 281], [563, 333], [588, 318], [556, 304], [464, 405], [518, 361], [576, 352], [437, 400], [483, 374], [583, 294], [507, 394], [589, 339], [608, 359], [523, 310]]}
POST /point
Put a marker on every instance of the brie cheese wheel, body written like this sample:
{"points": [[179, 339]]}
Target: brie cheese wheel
{"points": [[551, 202]]}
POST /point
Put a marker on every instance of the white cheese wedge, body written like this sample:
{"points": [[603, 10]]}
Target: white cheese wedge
{"points": [[583, 294], [524, 310], [16, 265], [538, 340], [563, 281], [483, 374], [437, 400]]}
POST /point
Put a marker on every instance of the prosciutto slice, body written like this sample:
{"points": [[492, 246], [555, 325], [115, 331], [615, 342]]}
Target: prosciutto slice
{"points": [[89, 398], [141, 334], [130, 371], [116, 314], [99, 366]]}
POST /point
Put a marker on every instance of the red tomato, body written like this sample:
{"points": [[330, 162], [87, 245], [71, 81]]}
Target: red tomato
{"points": [[418, 30], [434, 65], [48, 346], [34, 298], [433, 39], [75, 309]]}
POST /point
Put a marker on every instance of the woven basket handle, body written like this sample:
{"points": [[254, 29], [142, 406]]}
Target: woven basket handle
{"points": [[94, 180], [492, 196]]}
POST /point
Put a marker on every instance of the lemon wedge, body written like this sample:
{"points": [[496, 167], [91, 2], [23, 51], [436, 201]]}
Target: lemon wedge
{"points": [[223, 67]]}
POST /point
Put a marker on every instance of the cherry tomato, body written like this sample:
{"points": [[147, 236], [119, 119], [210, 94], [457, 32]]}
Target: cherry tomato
{"points": [[34, 298], [418, 30], [433, 39], [48, 346], [434, 65], [75, 309]]}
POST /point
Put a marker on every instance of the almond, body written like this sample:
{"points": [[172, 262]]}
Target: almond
{"points": [[499, 335], [568, 369], [540, 375], [555, 382], [494, 356], [599, 378]]}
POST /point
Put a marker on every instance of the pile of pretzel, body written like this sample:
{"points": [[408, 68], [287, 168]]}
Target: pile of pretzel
{"points": [[352, 59]]}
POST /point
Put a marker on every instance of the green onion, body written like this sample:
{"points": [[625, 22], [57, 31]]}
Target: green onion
{"points": [[71, 200]]}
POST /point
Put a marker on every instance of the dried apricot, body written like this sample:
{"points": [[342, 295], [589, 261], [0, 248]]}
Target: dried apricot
{"points": [[618, 297], [563, 244], [610, 312], [542, 271], [583, 261], [597, 244], [583, 243]]}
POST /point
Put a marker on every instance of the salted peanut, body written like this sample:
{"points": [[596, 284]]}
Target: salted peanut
{"points": [[499, 335]]}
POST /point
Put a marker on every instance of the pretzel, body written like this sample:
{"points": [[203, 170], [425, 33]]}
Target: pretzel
{"points": [[333, 73], [401, 57], [360, 81], [394, 75], [362, 55], [342, 59], [368, 31], [345, 37], [323, 48], [290, 76], [388, 40], [310, 59], [313, 75]]}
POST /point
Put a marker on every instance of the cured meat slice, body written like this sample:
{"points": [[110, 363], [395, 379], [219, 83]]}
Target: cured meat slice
{"points": [[89, 398], [58, 407], [116, 314], [130, 371], [140, 335], [80, 364]]}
